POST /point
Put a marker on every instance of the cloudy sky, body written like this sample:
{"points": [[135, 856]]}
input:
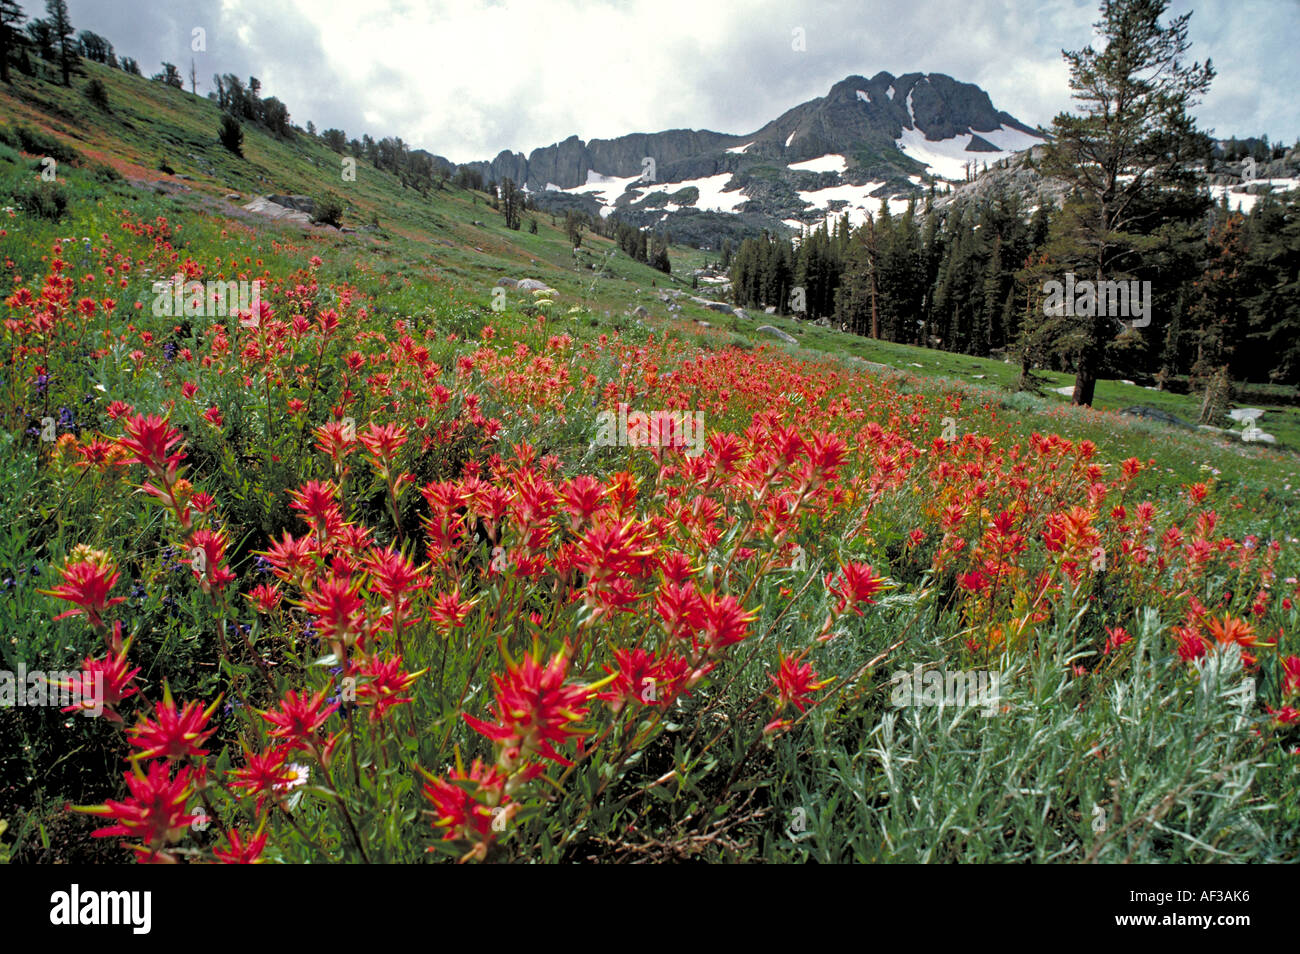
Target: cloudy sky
{"points": [[468, 78]]}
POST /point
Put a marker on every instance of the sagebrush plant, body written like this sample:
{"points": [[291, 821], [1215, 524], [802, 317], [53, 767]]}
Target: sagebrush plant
{"points": [[364, 586]]}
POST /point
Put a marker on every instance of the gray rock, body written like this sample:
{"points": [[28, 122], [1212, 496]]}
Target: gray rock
{"points": [[640, 312], [532, 284], [1155, 414], [299, 203], [233, 196], [506, 283], [777, 333], [262, 205], [721, 307], [740, 313]]}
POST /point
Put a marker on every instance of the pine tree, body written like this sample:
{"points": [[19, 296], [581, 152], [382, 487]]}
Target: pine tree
{"points": [[1218, 312], [60, 21], [511, 202], [1133, 139], [11, 14]]}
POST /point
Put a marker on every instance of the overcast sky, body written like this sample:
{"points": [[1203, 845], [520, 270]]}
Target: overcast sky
{"points": [[468, 78]]}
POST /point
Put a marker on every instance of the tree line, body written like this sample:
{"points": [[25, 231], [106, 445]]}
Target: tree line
{"points": [[972, 277]]}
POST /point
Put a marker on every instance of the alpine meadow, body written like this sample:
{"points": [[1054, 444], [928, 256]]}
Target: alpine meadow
{"points": [[901, 481]]}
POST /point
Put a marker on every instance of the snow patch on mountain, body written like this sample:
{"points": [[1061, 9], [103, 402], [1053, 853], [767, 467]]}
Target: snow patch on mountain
{"points": [[740, 148], [1244, 202], [948, 157], [713, 194], [604, 189], [857, 199], [828, 163]]}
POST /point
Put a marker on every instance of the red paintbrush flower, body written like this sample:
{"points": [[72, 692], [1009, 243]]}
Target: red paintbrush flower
{"points": [[1191, 645], [207, 552], [795, 682], [1287, 715], [611, 550], [149, 440], [1115, 638], [299, 719], [857, 584], [725, 622], [87, 583], [316, 499], [456, 807], [103, 682], [335, 439], [383, 442], [265, 773], [583, 496], [172, 733], [680, 606], [392, 575], [384, 684], [1290, 675], [339, 612], [242, 852], [1230, 629], [264, 597], [449, 610], [534, 709], [291, 558], [154, 812], [641, 678], [99, 454]]}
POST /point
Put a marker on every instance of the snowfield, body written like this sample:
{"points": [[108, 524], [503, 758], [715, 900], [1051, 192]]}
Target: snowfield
{"points": [[829, 163], [1242, 201], [948, 157], [858, 198]]}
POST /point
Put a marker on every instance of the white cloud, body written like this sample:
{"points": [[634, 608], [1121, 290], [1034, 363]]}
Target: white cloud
{"points": [[468, 78]]}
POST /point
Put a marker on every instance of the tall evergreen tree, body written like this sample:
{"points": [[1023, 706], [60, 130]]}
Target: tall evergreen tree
{"points": [[60, 21], [1134, 137], [11, 14]]}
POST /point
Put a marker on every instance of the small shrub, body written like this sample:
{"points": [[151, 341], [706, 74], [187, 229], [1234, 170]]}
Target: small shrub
{"points": [[97, 94], [328, 211], [103, 172], [232, 134], [37, 142], [45, 200]]}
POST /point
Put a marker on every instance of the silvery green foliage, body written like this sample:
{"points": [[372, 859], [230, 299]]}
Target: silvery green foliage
{"points": [[1165, 766]]}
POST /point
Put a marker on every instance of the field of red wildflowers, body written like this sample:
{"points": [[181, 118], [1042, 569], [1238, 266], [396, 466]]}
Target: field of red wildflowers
{"points": [[365, 587]]}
